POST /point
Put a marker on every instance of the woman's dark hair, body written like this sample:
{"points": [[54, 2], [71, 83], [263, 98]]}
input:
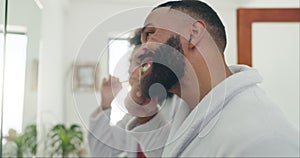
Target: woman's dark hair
{"points": [[135, 40]]}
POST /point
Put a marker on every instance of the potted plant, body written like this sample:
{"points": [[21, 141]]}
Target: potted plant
{"points": [[65, 141], [30, 139], [21, 145]]}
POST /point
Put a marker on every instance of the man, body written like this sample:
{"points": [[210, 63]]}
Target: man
{"points": [[227, 114], [106, 140]]}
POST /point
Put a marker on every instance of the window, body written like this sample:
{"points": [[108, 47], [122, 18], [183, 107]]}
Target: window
{"points": [[119, 53], [14, 78], [118, 64]]}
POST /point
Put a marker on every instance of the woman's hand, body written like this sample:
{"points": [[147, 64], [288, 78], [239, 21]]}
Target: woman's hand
{"points": [[109, 89]]}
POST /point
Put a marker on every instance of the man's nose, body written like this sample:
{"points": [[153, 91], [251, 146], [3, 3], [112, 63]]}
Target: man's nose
{"points": [[150, 46]]}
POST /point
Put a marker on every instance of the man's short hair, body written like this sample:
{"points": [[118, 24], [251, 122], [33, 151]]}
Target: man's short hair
{"points": [[200, 10]]}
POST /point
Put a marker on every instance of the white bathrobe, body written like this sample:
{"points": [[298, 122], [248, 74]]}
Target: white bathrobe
{"points": [[234, 119], [106, 140]]}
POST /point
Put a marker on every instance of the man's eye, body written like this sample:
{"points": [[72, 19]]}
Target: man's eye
{"points": [[148, 33]]}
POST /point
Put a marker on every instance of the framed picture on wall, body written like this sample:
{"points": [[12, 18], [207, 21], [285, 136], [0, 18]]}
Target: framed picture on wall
{"points": [[86, 77]]}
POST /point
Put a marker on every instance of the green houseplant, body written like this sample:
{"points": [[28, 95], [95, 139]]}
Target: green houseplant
{"points": [[65, 141], [30, 139], [24, 144]]}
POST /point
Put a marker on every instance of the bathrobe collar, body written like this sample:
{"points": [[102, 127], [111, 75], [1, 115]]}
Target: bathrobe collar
{"points": [[209, 109]]}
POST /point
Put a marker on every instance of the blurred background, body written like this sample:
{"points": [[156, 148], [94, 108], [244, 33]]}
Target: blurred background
{"points": [[54, 54]]}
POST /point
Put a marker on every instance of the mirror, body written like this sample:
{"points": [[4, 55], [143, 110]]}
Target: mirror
{"points": [[49, 35], [245, 18], [281, 81], [258, 45]]}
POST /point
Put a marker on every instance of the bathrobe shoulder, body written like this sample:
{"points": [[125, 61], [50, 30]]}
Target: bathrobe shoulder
{"points": [[107, 140], [235, 119], [152, 136]]}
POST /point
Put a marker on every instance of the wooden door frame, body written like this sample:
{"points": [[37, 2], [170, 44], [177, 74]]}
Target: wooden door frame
{"points": [[245, 18]]}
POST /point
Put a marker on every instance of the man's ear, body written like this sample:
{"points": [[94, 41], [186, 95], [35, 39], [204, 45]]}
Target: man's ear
{"points": [[196, 33]]}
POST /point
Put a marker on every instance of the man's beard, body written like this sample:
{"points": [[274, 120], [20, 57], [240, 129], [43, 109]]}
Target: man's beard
{"points": [[167, 69]]}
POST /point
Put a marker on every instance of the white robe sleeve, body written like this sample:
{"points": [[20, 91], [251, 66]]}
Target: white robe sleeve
{"points": [[152, 136], [106, 140]]}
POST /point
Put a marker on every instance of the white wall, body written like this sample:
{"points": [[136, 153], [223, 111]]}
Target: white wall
{"points": [[51, 70]]}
